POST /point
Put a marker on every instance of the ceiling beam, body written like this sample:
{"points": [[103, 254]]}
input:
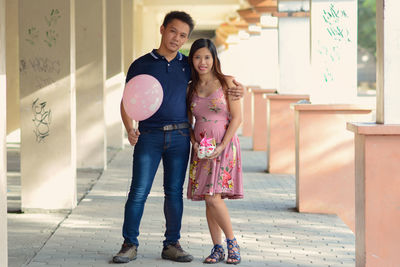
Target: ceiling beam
{"points": [[189, 2], [298, 14], [263, 2], [265, 9], [249, 15]]}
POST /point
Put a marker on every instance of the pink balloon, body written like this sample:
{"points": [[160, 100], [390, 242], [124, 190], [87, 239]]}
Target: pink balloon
{"points": [[142, 97]]}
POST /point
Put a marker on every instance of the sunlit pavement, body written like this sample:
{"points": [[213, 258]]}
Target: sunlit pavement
{"points": [[269, 230]]}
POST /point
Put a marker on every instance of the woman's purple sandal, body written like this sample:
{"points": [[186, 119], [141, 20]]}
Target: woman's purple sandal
{"points": [[217, 255], [233, 252]]}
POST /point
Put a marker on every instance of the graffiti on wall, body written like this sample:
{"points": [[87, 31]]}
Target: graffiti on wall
{"points": [[49, 34], [40, 65], [334, 40], [32, 35], [41, 120]]}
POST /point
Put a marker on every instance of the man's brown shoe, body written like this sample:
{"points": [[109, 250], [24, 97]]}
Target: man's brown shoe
{"points": [[174, 252], [127, 253]]}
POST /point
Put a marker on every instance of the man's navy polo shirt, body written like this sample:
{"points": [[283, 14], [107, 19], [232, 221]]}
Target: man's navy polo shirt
{"points": [[174, 77]]}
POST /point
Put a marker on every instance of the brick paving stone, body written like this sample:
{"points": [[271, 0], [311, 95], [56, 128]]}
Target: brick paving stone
{"points": [[269, 230]]}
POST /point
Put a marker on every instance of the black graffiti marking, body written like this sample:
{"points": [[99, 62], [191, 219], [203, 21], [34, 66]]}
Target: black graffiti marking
{"points": [[41, 64], [22, 65], [41, 120]]}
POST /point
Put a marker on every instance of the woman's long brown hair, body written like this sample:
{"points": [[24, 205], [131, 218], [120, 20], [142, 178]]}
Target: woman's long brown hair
{"points": [[216, 69]]}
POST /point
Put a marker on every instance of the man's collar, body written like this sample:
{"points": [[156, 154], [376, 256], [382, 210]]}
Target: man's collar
{"points": [[156, 55]]}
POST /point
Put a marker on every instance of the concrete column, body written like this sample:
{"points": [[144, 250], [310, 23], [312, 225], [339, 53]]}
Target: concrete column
{"points": [[377, 150], [48, 115], [260, 122], [377, 183], [138, 30], [3, 158], [294, 55], [115, 73], [388, 64], [248, 111], [149, 37], [128, 33], [228, 55], [325, 159], [90, 84], [280, 133], [262, 72], [333, 51], [265, 49], [12, 66]]}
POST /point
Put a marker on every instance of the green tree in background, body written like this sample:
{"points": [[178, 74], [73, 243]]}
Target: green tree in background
{"points": [[367, 25], [184, 51]]}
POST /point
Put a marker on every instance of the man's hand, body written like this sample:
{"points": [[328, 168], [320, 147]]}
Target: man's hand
{"points": [[195, 148], [133, 136], [237, 91]]}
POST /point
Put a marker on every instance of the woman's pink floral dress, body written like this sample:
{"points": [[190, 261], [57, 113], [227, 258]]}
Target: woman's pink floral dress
{"points": [[222, 175]]}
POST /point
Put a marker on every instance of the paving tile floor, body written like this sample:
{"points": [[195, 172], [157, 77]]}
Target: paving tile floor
{"points": [[266, 224]]}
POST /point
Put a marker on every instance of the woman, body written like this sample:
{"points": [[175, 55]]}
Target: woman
{"points": [[218, 175]]}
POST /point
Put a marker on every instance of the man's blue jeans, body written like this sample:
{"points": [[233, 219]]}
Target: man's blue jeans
{"points": [[173, 147]]}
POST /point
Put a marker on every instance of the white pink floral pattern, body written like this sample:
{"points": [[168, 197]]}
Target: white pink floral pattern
{"points": [[221, 175]]}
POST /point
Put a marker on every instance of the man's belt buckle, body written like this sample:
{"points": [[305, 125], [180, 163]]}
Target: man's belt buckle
{"points": [[178, 126], [170, 127]]}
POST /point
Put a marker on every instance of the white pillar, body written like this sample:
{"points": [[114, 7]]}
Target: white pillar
{"points": [[115, 73], [378, 152], [138, 29], [388, 61], [90, 84], [266, 52], [48, 115], [294, 55], [3, 163], [128, 33], [259, 54], [12, 66], [333, 51]]}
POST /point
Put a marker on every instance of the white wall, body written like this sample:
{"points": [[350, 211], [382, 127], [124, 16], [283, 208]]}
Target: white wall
{"points": [[48, 108], [3, 163], [334, 51], [388, 64], [294, 55], [253, 61]]}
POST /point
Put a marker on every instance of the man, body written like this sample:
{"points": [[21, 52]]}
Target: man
{"points": [[165, 135]]}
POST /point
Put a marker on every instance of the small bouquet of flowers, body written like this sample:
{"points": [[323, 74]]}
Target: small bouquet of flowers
{"points": [[206, 147]]}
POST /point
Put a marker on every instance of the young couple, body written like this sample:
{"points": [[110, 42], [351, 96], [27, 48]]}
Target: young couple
{"points": [[213, 99]]}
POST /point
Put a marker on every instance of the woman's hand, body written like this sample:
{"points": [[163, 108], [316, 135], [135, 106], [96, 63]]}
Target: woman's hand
{"points": [[133, 136], [218, 150]]}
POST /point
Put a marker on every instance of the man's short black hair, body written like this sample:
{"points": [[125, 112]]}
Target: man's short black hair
{"points": [[182, 16]]}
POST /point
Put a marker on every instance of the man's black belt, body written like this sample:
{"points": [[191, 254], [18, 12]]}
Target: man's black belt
{"points": [[171, 127]]}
